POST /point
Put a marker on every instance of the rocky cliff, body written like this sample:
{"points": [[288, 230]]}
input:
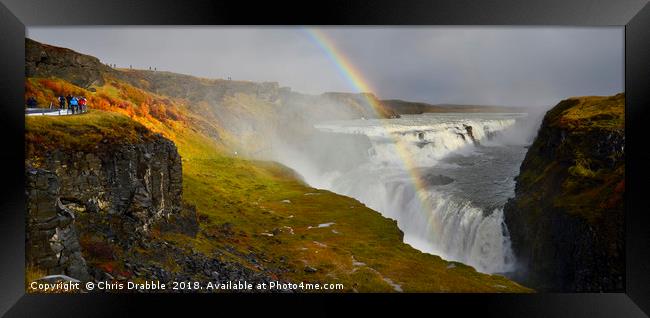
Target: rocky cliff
{"points": [[139, 183], [52, 241], [100, 191], [142, 181], [139, 177], [566, 220], [42, 60]]}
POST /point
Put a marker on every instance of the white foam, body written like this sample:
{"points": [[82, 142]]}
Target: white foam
{"points": [[432, 221]]}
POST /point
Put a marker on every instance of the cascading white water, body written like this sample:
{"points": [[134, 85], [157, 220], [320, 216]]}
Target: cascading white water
{"points": [[433, 222], [426, 143], [433, 217]]}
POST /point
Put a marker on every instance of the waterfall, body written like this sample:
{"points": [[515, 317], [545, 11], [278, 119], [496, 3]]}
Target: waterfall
{"points": [[433, 219], [449, 227]]}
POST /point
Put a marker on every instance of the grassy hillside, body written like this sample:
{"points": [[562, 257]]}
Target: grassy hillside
{"points": [[257, 214], [82, 132], [260, 208]]}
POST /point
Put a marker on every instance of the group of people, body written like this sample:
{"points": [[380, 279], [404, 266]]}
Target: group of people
{"points": [[74, 104], [71, 104]]}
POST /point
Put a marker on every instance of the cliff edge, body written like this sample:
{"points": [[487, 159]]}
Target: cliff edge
{"points": [[566, 219]]}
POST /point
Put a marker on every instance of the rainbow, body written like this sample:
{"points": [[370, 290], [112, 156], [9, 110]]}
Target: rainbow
{"points": [[356, 80]]}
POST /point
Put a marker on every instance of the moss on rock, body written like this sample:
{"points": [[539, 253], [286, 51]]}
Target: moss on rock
{"points": [[566, 220]]}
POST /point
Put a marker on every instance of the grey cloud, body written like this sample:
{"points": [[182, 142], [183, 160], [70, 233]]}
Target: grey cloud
{"points": [[522, 66]]}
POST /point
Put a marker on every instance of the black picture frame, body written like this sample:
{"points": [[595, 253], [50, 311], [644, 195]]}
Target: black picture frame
{"points": [[15, 15]]}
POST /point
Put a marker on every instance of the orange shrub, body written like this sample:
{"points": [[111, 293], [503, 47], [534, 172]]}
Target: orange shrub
{"points": [[42, 97], [52, 85], [159, 111], [132, 101], [59, 87], [99, 103], [135, 95], [173, 114], [143, 110]]}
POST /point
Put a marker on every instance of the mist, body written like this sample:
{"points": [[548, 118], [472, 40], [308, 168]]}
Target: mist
{"points": [[367, 159]]}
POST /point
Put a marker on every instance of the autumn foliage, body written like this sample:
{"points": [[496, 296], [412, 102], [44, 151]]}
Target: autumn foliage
{"points": [[115, 96]]}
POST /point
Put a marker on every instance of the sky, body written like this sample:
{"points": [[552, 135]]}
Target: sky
{"points": [[510, 66]]}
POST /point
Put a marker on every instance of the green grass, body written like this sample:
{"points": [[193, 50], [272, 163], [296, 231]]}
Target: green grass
{"points": [[249, 197], [81, 132], [581, 168], [590, 112], [573, 179]]}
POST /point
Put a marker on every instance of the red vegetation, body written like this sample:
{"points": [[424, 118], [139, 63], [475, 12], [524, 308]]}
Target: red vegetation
{"points": [[97, 249], [130, 100]]}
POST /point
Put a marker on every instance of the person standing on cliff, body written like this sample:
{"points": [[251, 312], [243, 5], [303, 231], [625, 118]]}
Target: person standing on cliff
{"points": [[69, 99], [61, 102], [74, 103], [31, 102], [82, 104]]}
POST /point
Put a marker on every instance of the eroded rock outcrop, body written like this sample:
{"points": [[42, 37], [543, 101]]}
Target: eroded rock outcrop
{"points": [[141, 181], [42, 60], [136, 184], [52, 240], [566, 220]]}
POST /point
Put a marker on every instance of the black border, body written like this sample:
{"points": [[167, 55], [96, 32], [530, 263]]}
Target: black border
{"points": [[634, 14]]}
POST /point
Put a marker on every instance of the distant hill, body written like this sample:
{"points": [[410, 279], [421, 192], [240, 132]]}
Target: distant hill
{"points": [[242, 115], [407, 107]]}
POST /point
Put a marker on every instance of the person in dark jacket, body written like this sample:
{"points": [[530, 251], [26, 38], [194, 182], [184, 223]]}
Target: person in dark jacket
{"points": [[61, 102], [31, 102], [68, 99]]}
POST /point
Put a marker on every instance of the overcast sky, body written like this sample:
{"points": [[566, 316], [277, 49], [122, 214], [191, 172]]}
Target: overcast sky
{"points": [[517, 66]]}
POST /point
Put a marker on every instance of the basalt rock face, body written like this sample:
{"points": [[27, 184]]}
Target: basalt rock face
{"points": [[105, 211], [52, 239], [140, 181], [42, 60], [566, 219], [131, 185]]}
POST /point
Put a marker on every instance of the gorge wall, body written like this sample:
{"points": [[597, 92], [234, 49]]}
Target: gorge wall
{"points": [[566, 220], [137, 184], [104, 199], [52, 241], [142, 181]]}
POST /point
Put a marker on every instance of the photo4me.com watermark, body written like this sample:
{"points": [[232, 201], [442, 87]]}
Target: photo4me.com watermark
{"points": [[156, 286]]}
